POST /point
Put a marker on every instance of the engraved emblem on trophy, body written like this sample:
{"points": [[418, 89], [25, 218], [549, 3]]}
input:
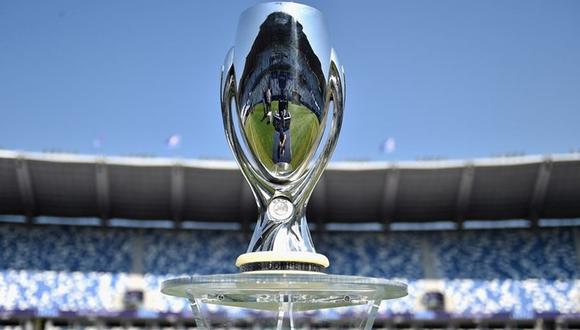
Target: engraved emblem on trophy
{"points": [[282, 99]]}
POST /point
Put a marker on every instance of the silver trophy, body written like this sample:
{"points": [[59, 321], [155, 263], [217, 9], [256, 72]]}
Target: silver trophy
{"points": [[278, 86], [282, 98]]}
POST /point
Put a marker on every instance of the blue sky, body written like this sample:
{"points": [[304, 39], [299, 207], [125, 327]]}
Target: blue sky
{"points": [[453, 79]]}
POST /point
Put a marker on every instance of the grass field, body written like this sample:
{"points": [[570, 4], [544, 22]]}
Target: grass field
{"points": [[303, 130]]}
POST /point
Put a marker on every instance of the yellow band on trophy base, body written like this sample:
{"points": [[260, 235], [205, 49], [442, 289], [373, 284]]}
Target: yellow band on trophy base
{"points": [[290, 256]]}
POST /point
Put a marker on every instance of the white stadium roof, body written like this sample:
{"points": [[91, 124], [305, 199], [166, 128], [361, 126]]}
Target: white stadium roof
{"points": [[65, 185]]}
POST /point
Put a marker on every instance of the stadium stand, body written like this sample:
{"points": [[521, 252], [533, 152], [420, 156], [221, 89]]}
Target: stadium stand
{"points": [[50, 292], [506, 254], [67, 276], [52, 269], [76, 249], [372, 254], [184, 252]]}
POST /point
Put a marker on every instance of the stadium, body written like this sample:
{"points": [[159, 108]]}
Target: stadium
{"points": [[450, 200], [483, 244]]}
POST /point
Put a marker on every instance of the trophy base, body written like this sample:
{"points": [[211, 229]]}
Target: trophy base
{"points": [[282, 261], [284, 299]]}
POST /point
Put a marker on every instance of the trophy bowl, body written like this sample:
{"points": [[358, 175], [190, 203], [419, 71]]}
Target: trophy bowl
{"points": [[282, 99]]}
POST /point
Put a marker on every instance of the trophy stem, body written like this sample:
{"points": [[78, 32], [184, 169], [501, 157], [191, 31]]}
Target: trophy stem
{"points": [[372, 311], [200, 319], [281, 241]]}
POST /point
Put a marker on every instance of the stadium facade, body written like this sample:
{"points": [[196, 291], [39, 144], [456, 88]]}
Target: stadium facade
{"points": [[99, 265]]}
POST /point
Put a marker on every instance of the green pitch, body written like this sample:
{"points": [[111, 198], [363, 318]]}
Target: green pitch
{"points": [[304, 127]]}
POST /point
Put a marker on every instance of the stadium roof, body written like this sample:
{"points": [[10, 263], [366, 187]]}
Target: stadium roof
{"points": [[65, 185]]}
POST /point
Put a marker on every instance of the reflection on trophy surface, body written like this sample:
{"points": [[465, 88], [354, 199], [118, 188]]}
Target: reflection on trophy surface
{"points": [[283, 81], [282, 77]]}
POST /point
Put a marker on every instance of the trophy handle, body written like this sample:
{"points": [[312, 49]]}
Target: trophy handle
{"points": [[336, 93], [261, 190]]}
